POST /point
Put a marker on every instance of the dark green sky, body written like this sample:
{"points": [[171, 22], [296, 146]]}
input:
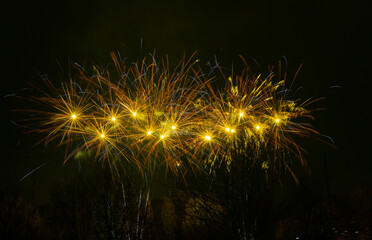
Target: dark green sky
{"points": [[332, 40]]}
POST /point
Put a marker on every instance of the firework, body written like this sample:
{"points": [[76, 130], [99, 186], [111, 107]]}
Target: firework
{"points": [[254, 118], [149, 114]]}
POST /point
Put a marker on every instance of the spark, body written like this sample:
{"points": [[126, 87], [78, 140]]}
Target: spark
{"points": [[134, 114], [258, 127], [230, 130], [73, 116], [113, 119], [207, 137], [149, 133], [173, 127]]}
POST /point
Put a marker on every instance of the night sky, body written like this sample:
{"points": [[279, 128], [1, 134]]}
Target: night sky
{"points": [[332, 39]]}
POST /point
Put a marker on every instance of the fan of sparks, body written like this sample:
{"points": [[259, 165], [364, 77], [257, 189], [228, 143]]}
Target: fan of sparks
{"points": [[149, 114]]}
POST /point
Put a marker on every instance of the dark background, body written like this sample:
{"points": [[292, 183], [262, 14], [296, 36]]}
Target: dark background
{"points": [[331, 38]]}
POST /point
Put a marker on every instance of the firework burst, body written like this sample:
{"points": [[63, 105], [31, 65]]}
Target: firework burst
{"points": [[148, 114]]}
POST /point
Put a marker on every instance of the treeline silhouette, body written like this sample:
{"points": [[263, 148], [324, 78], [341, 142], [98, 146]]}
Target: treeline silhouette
{"points": [[235, 204]]}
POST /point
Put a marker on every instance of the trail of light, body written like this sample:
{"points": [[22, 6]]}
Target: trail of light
{"points": [[31, 172]]}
